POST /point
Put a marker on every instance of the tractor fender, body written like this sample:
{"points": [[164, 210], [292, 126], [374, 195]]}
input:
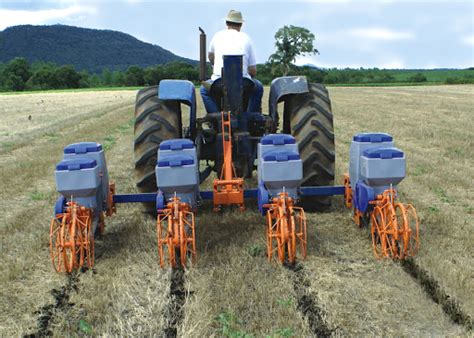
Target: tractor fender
{"points": [[282, 86], [182, 91]]}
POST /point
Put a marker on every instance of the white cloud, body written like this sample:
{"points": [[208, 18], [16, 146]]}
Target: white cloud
{"points": [[314, 60], [9, 17], [378, 33], [431, 65], [468, 40], [392, 63]]}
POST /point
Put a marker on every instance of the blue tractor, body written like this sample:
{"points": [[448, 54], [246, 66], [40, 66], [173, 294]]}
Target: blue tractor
{"points": [[306, 115]]}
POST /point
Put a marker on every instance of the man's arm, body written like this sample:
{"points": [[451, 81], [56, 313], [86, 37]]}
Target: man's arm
{"points": [[252, 70], [211, 57]]}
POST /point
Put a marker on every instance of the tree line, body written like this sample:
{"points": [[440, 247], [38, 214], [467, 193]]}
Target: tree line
{"points": [[19, 75]]}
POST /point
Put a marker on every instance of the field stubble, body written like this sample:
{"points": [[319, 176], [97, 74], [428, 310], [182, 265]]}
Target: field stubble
{"points": [[233, 289]]}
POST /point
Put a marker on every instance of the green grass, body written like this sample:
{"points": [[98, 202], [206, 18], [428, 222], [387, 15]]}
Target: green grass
{"points": [[52, 137], [285, 302], [85, 327], [432, 75], [38, 195], [401, 77], [285, 332], [442, 195], [228, 323], [6, 146], [98, 89], [385, 84]]}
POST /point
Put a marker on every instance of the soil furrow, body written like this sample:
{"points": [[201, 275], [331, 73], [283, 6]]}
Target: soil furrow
{"points": [[307, 303], [48, 312], [177, 297], [432, 288]]}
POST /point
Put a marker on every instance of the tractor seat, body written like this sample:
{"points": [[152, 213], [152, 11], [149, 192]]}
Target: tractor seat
{"points": [[217, 92]]}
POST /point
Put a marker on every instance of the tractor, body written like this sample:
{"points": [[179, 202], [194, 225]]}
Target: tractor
{"points": [[306, 116], [227, 143], [292, 153]]}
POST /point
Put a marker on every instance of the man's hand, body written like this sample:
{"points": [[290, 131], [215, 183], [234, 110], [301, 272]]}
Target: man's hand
{"points": [[211, 57], [252, 71]]}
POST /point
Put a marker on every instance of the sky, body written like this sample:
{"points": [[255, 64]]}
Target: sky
{"points": [[349, 33]]}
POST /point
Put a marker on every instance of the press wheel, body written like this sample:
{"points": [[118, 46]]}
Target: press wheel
{"points": [[292, 236], [89, 243], [286, 225], [282, 230], [188, 243], [269, 236], [408, 229], [300, 227], [159, 233], [175, 230], [379, 238], [55, 247], [414, 225], [183, 245], [71, 239]]}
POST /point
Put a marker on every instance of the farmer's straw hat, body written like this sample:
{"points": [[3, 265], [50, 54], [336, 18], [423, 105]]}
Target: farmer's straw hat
{"points": [[234, 16]]}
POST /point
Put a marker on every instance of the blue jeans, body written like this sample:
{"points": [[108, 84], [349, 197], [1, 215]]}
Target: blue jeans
{"points": [[255, 101]]}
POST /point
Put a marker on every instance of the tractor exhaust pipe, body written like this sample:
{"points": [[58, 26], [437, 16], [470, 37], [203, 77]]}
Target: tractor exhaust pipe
{"points": [[202, 55]]}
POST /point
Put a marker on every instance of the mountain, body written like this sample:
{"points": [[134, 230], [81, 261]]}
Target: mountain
{"points": [[310, 65], [86, 49]]}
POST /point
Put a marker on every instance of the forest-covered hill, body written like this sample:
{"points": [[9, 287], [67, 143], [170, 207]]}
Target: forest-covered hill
{"points": [[84, 48]]}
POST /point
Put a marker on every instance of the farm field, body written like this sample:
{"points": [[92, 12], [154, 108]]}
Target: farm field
{"points": [[340, 289]]}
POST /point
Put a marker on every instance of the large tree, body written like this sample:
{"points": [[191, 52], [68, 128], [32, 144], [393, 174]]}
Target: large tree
{"points": [[134, 76], [290, 42], [67, 77], [16, 73]]}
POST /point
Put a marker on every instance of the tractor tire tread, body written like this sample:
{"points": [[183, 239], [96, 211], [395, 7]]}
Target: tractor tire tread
{"points": [[155, 121], [147, 94], [311, 122]]}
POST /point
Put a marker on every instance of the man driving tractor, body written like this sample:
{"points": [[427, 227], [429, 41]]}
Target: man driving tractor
{"points": [[232, 41]]}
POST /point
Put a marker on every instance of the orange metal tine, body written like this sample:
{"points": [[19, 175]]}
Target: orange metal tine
{"points": [[301, 230], [393, 235], [408, 229], [176, 231], [414, 242], [71, 240], [286, 225], [55, 242]]}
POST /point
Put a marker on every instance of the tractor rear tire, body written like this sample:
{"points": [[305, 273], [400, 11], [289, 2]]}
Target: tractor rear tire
{"points": [[155, 121], [310, 120]]}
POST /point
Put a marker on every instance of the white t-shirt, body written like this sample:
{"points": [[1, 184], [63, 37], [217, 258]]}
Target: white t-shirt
{"points": [[231, 42]]}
